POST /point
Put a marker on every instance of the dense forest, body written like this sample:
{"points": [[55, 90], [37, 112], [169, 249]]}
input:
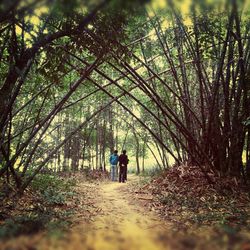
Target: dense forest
{"points": [[169, 81], [73, 76]]}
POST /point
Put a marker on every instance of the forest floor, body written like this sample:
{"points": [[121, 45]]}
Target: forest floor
{"points": [[113, 220], [113, 215]]}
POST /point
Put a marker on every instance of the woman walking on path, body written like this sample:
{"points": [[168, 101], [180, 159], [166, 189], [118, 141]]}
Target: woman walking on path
{"points": [[113, 159]]}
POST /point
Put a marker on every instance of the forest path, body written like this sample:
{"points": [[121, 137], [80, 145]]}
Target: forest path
{"points": [[122, 223], [113, 220]]}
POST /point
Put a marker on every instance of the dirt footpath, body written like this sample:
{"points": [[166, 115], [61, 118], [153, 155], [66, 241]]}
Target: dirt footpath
{"points": [[122, 223]]}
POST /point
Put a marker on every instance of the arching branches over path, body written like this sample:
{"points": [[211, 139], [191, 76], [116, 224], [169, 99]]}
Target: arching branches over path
{"points": [[28, 60], [183, 79], [206, 101]]}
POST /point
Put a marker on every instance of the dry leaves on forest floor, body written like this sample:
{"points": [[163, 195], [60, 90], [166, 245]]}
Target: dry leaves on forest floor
{"points": [[183, 195], [117, 199], [66, 200]]}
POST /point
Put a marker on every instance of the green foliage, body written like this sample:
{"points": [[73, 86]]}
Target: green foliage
{"points": [[35, 221], [54, 190], [54, 197], [247, 122], [152, 172], [46, 181], [24, 224], [132, 170], [56, 227]]}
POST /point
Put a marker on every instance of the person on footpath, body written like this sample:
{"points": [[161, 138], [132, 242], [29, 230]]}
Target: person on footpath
{"points": [[123, 164], [113, 160]]}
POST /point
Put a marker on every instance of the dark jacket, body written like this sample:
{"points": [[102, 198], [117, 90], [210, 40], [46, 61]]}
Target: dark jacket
{"points": [[123, 160]]}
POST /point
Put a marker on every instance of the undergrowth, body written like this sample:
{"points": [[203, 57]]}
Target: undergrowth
{"points": [[39, 208], [152, 172], [183, 195]]}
